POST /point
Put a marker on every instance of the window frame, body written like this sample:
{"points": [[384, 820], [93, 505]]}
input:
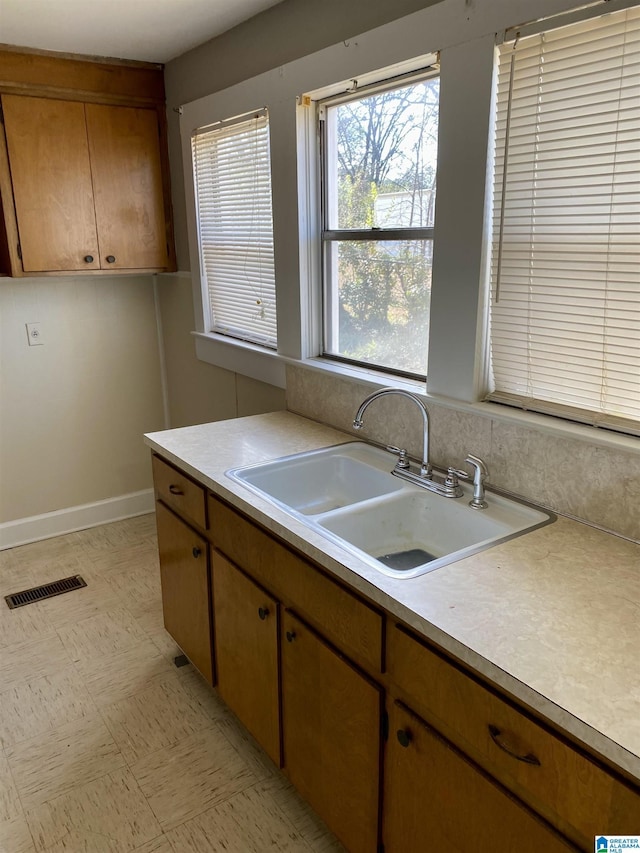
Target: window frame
{"points": [[329, 235], [458, 347]]}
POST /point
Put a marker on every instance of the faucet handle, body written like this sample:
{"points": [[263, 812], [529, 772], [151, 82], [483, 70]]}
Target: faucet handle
{"points": [[455, 474], [403, 460]]}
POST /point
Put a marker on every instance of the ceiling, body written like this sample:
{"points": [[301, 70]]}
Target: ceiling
{"points": [[152, 30]]}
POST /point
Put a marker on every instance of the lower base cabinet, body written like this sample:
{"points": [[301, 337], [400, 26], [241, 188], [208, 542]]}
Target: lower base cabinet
{"points": [[246, 642], [292, 652], [331, 730], [184, 575], [436, 799]]}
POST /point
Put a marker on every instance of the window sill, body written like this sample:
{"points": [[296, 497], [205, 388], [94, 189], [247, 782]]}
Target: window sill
{"points": [[528, 420], [241, 357], [368, 376], [269, 366]]}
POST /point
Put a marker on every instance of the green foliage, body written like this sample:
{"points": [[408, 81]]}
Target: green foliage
{"points": [[384, 302]]}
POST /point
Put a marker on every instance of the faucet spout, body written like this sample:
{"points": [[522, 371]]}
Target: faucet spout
{"points": [[480, 473], [358, 423]]}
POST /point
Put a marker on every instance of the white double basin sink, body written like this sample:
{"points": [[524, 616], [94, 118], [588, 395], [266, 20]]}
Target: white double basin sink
{"points": [[348, 494]]}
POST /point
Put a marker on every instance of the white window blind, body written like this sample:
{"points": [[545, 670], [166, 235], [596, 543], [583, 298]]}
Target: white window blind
{"points": [[565, 274], [233, 191]]}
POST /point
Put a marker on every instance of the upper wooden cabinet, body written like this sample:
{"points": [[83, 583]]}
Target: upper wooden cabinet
{"points": [[84, 186], [124, 153], [52, 190]]}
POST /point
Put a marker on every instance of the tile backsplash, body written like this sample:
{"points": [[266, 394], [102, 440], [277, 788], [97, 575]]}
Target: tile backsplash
{"points": [[595, 483]]}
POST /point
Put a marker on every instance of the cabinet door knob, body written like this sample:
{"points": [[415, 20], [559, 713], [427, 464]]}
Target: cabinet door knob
{"points": [[502, 743], [196, 551], [111, 259], [88, 259], [404, 737], [290, 635], [176, 490], [263, 612]]}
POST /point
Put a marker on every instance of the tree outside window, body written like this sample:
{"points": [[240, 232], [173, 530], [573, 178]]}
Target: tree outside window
{"points": [[379, 194]]}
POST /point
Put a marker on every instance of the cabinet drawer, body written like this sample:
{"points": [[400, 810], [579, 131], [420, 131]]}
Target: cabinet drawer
{"points": [[178, 491], [542, 769], [354, 627], [459, 807]]}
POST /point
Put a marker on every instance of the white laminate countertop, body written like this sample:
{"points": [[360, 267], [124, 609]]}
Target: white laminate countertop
{"points": [[552, 617]]}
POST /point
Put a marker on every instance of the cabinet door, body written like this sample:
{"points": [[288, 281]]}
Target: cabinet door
{"points": [[331, 732], [124, 144], [185, 588], [52, 189], [434, 798], [246, 644]]}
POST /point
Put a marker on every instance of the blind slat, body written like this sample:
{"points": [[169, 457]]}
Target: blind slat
{"points": [[565, 308], [233, 191]]}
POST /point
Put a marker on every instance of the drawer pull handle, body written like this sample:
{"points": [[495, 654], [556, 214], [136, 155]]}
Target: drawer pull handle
{"points": [[196, 551], [176, 490], [291, 635], [496, 737], [111, 259], [88, 259], [404, 737], [263, 612]]}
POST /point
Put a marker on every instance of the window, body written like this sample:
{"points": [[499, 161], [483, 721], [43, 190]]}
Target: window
{"points": [[379, 155], [235, 230], [565, 315]]}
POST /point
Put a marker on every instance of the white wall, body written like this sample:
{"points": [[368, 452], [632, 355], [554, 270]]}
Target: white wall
{"points": [[73, 411]]}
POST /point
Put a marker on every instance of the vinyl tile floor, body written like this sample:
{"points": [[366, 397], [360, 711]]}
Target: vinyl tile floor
{"points": [[106, 746]]}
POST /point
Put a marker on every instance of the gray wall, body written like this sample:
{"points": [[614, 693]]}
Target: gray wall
{"points": [[290, 30]]}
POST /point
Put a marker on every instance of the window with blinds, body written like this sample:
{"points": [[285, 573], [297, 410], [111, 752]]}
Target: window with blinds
{"points": [[233, 197], [565, 272]]}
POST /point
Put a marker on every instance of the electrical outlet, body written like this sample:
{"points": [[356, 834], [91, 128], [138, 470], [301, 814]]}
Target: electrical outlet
{"points": [[34, 334]]}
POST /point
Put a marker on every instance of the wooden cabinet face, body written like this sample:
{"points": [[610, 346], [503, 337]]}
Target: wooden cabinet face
{"points": [[434, 798], [246, 643], [178, 491], [185, 588], [124, 147], [556, 780], [331, 732], [87, 184], [342, 617], [52, 186]]}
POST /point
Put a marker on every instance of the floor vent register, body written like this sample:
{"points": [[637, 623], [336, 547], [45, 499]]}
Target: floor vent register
{"points": [[47, 590]]}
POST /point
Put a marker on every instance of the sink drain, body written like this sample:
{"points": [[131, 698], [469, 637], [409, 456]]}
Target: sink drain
{"points": [[404, 560]]}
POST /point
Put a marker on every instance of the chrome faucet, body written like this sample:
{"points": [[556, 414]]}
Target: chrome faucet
{"points": [[425, 468], [447, 486], [480, 473]]}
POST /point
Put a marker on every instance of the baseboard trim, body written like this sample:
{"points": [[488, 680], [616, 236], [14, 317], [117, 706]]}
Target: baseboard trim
{"points": [[37, 527]]}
